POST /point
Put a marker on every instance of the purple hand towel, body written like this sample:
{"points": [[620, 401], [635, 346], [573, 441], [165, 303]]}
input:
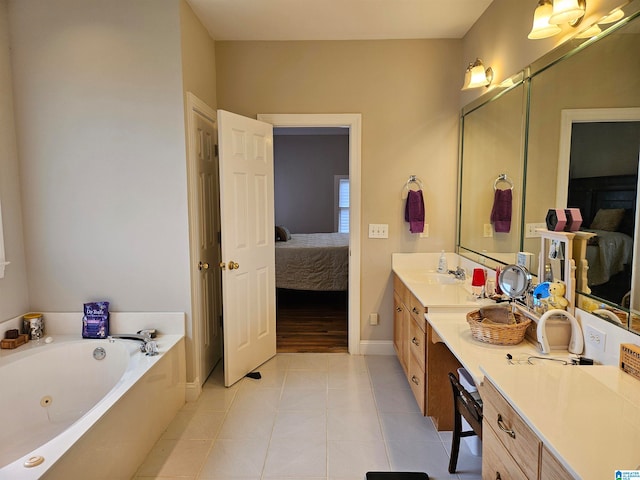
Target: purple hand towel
{"points": [[414, 211], [501, 212]]}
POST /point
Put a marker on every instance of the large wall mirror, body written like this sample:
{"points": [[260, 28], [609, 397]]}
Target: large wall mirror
{"points": [[581, 148], [491, 187]]}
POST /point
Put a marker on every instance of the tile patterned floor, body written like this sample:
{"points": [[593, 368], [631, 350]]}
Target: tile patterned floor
{"points": [[310, 417]]}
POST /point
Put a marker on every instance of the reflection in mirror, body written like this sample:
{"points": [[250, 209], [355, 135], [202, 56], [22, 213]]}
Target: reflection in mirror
{"points": [[603, 75], [598, 173], [580, 75], [491, 187]]}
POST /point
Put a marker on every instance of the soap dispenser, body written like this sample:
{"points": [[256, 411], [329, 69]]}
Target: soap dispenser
{"points": [[442, 263]]}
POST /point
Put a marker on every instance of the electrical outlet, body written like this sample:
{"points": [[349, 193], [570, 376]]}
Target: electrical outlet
{"points": [[378, 230], [487, 230], [531, 229], [373, 319], [425, 232], [594, 337]]}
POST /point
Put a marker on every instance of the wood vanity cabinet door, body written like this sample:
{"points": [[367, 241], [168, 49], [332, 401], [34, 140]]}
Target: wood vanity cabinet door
{"points": [[551, 468], [401, 319], [497, 463], [516, 436]]}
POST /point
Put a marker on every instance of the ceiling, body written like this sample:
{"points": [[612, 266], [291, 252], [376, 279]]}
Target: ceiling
{"points": [[337, 19]]}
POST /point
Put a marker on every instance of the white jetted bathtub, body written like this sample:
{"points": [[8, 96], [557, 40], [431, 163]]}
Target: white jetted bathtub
{"points": [[68, 413]]}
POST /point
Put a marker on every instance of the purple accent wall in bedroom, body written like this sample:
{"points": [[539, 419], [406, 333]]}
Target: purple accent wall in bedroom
{"points": [[305, 166]]}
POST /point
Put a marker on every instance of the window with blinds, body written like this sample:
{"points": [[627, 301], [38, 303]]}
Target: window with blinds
{"points": [[342, 203]]}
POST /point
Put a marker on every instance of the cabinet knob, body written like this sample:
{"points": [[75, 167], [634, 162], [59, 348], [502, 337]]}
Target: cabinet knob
{"points": [[398, 309], [503, 427], [415, 310], [415, 341], [498, 477], [415, 380]]}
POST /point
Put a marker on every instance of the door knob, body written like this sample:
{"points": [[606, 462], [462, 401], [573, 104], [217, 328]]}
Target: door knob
{"points": [[233, 265], [203, 266]]}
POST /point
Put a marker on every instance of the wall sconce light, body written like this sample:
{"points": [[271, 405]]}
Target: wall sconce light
{"points": [[549, 14], [477, 76], [613, 16], [541, 26], [568, 11]]}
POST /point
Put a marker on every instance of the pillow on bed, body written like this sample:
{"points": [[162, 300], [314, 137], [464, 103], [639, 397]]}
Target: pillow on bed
{"points": [[608, 219], [282, 234]]}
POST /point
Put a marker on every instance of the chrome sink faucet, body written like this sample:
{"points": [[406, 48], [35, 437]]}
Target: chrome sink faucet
{"points": [[459, 273]]}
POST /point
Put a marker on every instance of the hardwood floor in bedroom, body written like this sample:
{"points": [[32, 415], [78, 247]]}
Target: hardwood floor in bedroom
{"points": [[315, 322]]}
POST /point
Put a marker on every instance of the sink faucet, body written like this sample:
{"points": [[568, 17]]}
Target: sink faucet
{"points": [[459, 273], [148, 346]]}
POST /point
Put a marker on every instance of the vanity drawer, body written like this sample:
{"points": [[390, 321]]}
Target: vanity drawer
{"points": [[417, 339], [417, 311], [511, 430], [497, 464], [417, 382]]}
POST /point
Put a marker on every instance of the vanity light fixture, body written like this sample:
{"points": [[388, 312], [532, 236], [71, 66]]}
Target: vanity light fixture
{"points": [[567, 11], [614, 16], [477, 76], [541, 26], [550, 14], [592, 31]]}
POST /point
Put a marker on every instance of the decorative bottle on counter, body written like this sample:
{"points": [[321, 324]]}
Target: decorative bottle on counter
{"points": [[442, 263]]}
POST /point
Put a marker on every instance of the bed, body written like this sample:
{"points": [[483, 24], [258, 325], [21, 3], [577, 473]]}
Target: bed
{"points": [[608, 207], [313, 261]]}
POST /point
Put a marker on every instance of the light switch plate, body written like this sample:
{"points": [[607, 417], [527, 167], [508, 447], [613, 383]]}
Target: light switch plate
{"points": [[378, 230]]}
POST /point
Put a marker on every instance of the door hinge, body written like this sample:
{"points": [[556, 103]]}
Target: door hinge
{"points": [[216, 151]]}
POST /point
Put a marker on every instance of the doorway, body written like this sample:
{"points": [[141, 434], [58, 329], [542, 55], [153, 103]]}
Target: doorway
{"points": [[311, 184], [352, 122]]}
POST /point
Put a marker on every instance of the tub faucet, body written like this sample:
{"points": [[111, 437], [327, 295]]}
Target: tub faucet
{"points": [[459, 273], [148, 346]]}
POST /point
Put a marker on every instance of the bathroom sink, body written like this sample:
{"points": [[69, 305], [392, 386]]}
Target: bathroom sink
{"points": [[433, 278]]}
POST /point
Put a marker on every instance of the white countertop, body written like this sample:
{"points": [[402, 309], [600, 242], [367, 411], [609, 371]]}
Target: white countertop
{"points": [[587, 416]]}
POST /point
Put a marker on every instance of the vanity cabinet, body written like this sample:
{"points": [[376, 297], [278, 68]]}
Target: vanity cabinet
{"points": [[510, 448], [551, 468], [426, 360]]}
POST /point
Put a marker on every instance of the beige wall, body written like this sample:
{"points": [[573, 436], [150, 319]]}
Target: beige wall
{"points": [[407, 93], [13, 287], [198, 57]]}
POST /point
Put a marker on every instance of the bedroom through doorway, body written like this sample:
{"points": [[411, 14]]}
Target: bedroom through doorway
{"points": [[311, 184]]}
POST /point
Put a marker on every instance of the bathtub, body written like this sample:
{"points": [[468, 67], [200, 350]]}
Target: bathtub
{"points": [[82, 417]]}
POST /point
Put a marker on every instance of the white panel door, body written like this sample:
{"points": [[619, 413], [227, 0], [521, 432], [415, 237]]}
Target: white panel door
{"points": [[248, 251], [208, 220]]}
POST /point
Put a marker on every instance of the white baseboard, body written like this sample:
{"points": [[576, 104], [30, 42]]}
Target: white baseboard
{"points": [[376, 347]]}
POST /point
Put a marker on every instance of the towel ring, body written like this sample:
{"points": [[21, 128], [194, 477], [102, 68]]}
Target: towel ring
{"points": [[407, 186], [503, 178]]}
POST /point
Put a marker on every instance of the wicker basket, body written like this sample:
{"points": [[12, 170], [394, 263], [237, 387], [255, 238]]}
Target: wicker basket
{"points": [[497, 333]]}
